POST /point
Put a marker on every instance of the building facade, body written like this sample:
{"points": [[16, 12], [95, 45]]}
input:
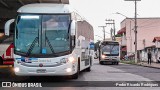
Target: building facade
{"points": [[147, 29], [156, 40]]}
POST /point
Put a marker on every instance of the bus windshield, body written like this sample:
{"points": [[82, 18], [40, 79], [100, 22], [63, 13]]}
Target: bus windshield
{"points": [[110, 49], [42, 34]]}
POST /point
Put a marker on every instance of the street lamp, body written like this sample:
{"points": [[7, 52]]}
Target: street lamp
{"points": [[123, 15], [120, 14]]}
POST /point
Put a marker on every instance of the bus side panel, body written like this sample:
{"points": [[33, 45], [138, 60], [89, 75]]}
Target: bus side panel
{"points": [[84, 36]]}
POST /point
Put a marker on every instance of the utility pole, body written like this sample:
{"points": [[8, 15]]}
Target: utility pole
{"points": [[111, 34], [135, 18], [103, 31], [114, 29], [135, 31], [112, 22]]}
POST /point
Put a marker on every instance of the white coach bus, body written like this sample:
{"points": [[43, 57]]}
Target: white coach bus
{"points": [[51, 40]]}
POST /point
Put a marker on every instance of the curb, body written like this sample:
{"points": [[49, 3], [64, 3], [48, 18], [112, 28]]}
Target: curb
{"points": [[147, 66], [143, 65]]}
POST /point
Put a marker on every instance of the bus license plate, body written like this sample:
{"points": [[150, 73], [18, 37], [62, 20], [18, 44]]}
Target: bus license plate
{"points": [[41, 70]]}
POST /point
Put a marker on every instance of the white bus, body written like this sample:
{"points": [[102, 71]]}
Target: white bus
{"points": [[109, 52], [51, 40]]}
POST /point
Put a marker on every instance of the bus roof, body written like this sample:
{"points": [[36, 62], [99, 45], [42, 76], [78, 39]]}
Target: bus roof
{"points": [[45, 8]]}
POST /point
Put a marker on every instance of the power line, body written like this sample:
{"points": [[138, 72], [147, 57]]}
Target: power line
{"points": [[103, 31], [111, 22]]}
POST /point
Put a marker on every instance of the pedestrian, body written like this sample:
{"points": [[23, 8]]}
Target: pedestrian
{"points": [[149, 56]]}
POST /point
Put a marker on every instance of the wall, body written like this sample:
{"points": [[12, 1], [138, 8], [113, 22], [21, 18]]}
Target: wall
{"points": [[148, 28]]}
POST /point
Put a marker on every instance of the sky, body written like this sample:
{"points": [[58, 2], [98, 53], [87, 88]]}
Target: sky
{"points": [[97, 11]]}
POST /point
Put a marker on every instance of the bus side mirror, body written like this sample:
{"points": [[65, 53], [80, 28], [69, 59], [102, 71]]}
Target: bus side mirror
{"points": [[73, 28], [73, 41], [7, 26], [73, 32]]}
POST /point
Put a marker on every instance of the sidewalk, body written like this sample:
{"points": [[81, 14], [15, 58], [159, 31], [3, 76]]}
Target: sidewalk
{"points": [[153, 64]]}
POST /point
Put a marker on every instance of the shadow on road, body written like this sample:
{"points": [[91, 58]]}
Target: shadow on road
{"points": [[7, 74]]}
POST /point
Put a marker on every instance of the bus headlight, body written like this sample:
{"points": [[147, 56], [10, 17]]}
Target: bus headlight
{"points": [[65, 60], [16, 69], [71, 59], [103, 56]]}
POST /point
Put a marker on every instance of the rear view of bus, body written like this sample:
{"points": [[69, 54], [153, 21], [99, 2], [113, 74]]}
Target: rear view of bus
{"points": [[109, 52]]}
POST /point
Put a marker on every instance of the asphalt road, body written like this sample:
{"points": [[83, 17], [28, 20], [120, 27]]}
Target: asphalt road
{"points": [[101, 77]]}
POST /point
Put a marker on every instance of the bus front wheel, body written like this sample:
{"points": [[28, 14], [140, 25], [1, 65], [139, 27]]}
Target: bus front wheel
{"points": [[88, 69], [75, 76], [100, 62], [117, 63]]}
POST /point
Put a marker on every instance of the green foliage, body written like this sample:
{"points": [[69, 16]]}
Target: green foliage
{"points": [[118, 35], [128, 61]]}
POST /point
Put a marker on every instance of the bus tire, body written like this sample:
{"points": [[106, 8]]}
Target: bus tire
{"points": [[112, 63], [1, 61], [75, 76], [100, 62], [88, 69], [117, 63]]}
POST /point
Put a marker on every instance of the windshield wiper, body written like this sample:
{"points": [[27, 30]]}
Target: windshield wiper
{"points": [[69, 26], [49, 43], [32, 46]]}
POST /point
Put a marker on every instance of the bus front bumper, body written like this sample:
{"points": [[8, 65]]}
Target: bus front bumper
{"points": [[62, 70], [109, 60]]}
